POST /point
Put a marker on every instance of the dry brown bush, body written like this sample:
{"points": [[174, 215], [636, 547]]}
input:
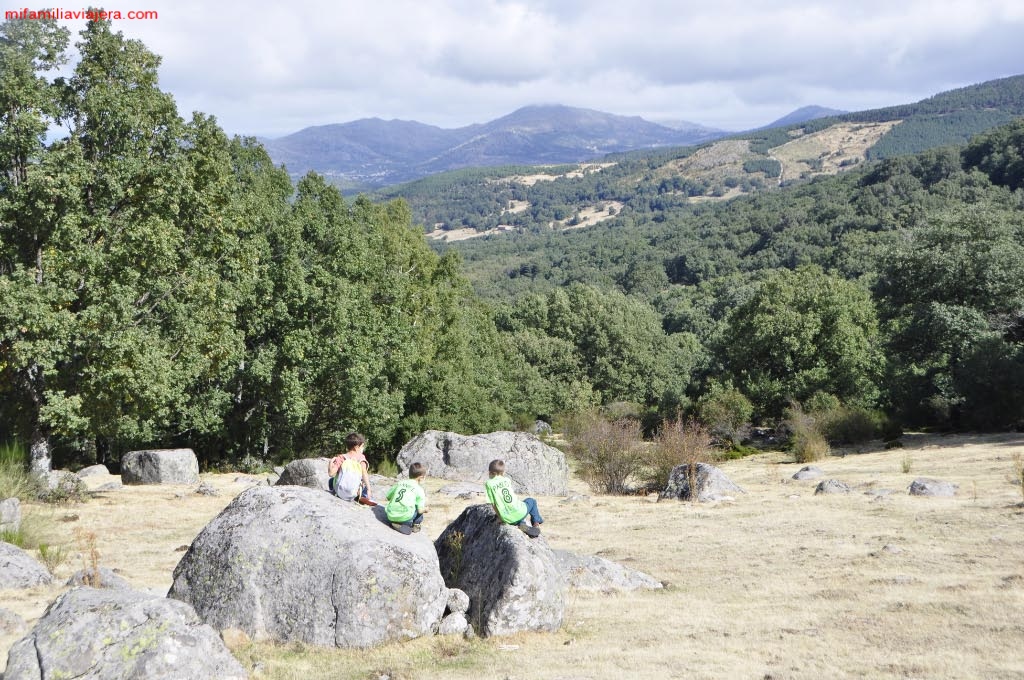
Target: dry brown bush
{"points": [[679, 442], [608, 453]]}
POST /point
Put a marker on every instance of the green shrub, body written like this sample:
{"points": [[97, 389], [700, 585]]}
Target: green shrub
{"points": [[850, 424], [726, 411], [15, 479], [737, 451], [52, 556], [387, 468]]}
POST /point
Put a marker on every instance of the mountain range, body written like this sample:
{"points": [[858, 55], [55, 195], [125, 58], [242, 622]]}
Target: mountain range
{"points": [[372, 152]]}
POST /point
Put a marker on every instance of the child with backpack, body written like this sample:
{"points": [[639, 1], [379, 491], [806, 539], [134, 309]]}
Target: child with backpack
{"points": [[510, 509], [407, 501], [350, 479]]}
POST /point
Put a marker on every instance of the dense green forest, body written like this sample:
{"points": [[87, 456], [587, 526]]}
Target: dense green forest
{"points": [[895, 286], [162, 284]]}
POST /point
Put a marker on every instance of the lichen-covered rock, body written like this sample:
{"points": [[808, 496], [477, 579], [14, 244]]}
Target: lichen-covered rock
{"points": [[290, 563], [160, 466], [924, 486], [596, 574], [533, 466], [99, 634], [98, 578], [10, 515], [307, 472], [19, 570], [458, 601], [828, 486], [513, 582], [711, 483], [59, 486]]}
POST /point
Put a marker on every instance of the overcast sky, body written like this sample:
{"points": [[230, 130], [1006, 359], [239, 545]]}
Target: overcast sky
{"points": [[271, 68]]}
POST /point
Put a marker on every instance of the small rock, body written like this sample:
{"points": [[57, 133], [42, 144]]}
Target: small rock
{"points": [[462, 490], [831, 486], [104, 578], [235, 638], [453, 624], [10, 515], [94, 471], [11, 623], [809, 472], [923, 486], [205, 489]]}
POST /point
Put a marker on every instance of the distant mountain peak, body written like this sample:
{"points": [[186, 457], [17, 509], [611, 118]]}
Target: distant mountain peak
{"points": [[804, 114]]}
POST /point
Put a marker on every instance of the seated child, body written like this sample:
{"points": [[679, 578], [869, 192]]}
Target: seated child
{"points": [[348, 488], [509, 508], [407, 501]]}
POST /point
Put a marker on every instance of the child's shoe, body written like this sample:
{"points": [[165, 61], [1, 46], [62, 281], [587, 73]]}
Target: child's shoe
{"points": [[532, 532]]}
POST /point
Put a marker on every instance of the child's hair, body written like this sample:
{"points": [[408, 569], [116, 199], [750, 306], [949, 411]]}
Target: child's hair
{"points": [[354, 439], [497, 467], [417, 470]]}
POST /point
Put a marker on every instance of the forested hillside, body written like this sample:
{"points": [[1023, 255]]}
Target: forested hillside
{"points": [[518, 199], [896, 285], [162, 284]]}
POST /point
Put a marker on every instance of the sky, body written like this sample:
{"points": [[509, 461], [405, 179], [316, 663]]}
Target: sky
{"points": [[271, 68]]}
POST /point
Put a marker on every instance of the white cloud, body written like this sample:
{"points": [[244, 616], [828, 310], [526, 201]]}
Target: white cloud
{"points": [[272, 67]]}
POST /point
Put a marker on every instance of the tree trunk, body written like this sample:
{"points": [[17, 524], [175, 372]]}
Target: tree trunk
{"points": [[40, 458]]}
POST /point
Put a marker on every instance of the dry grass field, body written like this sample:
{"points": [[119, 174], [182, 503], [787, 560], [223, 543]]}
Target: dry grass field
{"points": [[779, 583]]}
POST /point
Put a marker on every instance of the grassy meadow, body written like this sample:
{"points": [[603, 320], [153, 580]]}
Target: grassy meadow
{"points": [[778, 583]]}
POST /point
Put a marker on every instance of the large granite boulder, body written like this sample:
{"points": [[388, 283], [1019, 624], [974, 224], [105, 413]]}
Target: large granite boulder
{"points": [[19, 570], [513, 582], [10, 515], [289, 563], [596, 574], [307, 472], [98, 634], [160, 466], [533, 466], [711, 483]]}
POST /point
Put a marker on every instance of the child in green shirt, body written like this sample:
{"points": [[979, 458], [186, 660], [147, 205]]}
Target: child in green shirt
{"points": [[510, 509], [407, 501]]}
